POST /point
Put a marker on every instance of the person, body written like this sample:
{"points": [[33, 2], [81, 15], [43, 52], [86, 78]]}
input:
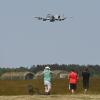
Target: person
{"points": [[47, 80], [72, 77], [86, 76]]}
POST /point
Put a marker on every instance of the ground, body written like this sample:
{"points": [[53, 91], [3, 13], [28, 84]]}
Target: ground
{"points": [[52, 97]]}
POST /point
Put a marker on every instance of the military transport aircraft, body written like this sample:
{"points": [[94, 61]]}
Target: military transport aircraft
{"points": [[52, 18]]}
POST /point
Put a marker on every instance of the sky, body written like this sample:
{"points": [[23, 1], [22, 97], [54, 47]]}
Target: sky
{"points": [[26, 41]]}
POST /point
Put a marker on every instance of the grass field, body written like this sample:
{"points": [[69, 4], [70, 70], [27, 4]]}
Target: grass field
{"points": [[52, 97], [59, 87]]}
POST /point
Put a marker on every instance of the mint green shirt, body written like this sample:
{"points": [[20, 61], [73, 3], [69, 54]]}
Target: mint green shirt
{"points": [[47, 75]]}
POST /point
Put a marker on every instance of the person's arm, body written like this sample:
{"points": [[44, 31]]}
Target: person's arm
{"points": [[89, 74], [82, 73], [52, 72], [42, 73], [77, 77], [68, 76]]}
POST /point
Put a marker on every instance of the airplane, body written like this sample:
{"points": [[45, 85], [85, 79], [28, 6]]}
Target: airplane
{"points": [[52, 18]]}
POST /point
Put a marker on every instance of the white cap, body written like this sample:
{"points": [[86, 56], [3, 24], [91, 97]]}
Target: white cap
{"points": [[47, 67]]}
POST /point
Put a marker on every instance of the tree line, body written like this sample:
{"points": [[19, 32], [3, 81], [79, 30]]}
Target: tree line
{"points": [[94, 69]]}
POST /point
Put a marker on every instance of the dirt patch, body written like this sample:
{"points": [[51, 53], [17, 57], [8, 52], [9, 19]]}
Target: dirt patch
{"points": [[52, 97]]}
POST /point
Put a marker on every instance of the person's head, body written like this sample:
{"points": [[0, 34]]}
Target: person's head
{"points": [[86, 69], [47, 68], [72, 70]]}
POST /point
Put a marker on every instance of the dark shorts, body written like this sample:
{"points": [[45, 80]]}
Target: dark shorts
{"points": [[72, 86], [85, 84]]}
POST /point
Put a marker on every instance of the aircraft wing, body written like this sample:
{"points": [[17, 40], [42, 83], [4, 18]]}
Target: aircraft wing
{"points": [[45, 19], [39, 18]]}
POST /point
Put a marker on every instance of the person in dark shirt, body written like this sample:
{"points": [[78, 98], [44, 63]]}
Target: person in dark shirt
{"points": [[86, 76]]}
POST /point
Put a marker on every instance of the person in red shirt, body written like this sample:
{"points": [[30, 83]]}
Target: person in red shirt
{"points": [[72, 77]]}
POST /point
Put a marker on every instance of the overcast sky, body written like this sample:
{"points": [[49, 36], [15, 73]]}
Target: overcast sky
{"points": [[24, 42]]}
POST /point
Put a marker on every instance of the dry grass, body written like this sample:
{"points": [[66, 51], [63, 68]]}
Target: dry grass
{"points": [[59, 86], [52, 97]]}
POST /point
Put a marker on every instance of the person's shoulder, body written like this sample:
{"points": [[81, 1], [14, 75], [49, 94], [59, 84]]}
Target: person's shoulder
{"points": [[76, 73], [84, 72], [69, 73]]}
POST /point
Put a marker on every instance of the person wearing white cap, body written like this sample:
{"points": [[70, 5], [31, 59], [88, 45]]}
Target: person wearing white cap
{"points": [[47, 80]]}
